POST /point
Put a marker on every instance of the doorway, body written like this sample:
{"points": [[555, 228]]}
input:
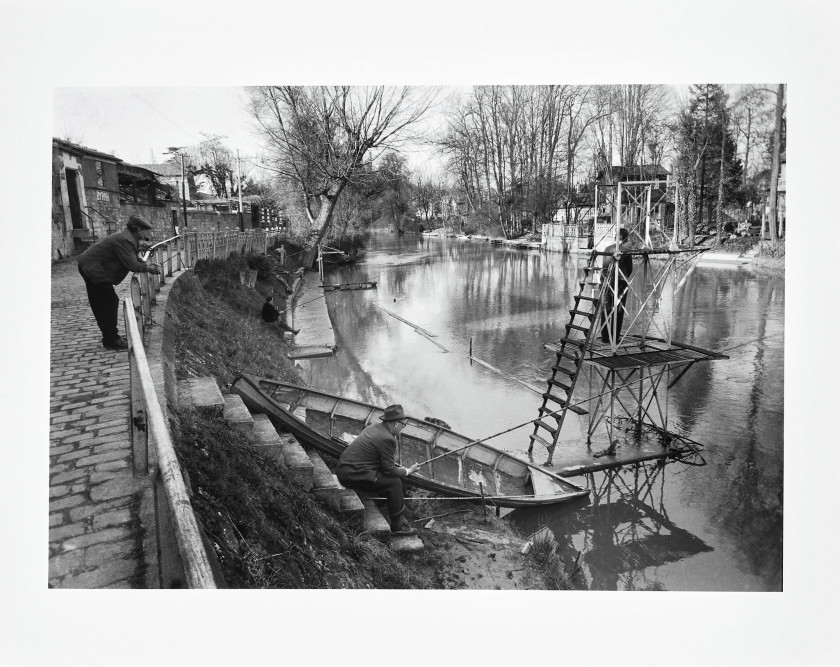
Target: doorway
{"points": [[73, 197]]}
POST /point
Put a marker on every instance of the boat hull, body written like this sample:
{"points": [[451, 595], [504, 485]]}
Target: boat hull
{"points": [[328, 423]]}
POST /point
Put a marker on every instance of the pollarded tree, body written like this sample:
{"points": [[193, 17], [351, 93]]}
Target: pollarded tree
{"points": [[327, 137]]}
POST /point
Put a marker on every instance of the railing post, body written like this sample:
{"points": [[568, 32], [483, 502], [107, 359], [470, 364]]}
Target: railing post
{"points": [[183, 557], [139, 425]]}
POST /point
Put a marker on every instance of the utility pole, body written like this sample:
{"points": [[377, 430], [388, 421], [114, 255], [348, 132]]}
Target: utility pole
{"points": [[239, 178], [184, 190], [175, 150]]}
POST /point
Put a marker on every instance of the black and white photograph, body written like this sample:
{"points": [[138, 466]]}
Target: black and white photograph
{"points": [[486, 334]]}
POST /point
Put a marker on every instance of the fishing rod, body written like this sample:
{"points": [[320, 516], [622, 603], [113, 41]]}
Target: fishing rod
{"points": [[531, 421]]}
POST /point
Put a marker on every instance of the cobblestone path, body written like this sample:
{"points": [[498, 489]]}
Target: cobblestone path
{"points": [[96, 532]]}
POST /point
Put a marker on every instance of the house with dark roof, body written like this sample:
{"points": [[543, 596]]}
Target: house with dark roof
{"points": [[632, 172], [169, 173], [85, 191], [94, 194]]}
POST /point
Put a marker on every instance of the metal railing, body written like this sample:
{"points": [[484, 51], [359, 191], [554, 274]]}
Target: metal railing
{"points": [[173, 510], [219, 245]]}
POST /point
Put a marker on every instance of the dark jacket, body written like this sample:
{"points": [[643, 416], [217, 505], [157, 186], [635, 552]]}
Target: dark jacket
{"points": [[110, 260], [369, 456], [269, 312], [625, 264]]}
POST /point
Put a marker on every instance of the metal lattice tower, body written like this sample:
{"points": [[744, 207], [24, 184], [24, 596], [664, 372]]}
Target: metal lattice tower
{"points": [[621, 321]]}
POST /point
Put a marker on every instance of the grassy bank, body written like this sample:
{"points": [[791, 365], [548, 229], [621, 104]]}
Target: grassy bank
{"points": [[265, 530]]}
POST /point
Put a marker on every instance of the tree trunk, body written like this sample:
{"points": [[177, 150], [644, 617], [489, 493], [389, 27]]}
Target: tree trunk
{"points": [[322, 222], [721, 172], [774, 171]]}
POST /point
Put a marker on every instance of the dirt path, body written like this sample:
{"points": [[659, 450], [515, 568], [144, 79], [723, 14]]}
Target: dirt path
{"points": [[466, 550]]}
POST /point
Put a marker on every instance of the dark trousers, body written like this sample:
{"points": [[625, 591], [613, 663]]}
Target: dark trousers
{"points": [[609, 301], [390, 487], [105, 305]]}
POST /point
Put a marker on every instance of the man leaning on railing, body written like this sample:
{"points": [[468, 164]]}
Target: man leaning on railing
{"points": [[107, 263]]}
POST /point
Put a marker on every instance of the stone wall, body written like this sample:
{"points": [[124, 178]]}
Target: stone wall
{"points": [[211, 221], [62, 239]]}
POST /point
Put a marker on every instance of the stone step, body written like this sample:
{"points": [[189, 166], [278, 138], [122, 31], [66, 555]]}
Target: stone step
{"points": [[264, 438], [374, 523], [297, 461], [202, 395], [324, 484], [237, 415], [377, 525], [351, 507], [406, 543]]}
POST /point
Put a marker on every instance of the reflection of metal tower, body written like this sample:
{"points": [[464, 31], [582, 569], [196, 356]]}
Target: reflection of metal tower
{"points": [[630, 529], [623, 532], [620, 328]]}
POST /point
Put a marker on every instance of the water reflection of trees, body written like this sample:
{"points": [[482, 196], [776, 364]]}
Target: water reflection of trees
{"points": [[623, 533], [734, 404]]}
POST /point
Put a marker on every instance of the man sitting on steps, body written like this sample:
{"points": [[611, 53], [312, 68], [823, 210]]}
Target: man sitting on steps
{"points": [[271, 314], [369, 464]]}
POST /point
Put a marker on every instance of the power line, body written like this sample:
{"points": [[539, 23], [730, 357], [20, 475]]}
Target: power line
{"points": [[163, 115]]}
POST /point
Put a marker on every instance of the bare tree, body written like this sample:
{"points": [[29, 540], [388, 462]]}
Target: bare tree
{"points": [[323, 137], [212, 159], [629, 120], [752, 116]]}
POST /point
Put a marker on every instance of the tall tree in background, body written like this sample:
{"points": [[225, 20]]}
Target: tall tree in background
{"points": [[774, 170], [396, 186], [630, 125], [326, 137], [215, 161], [716, 183], [752, 116], [426, 194]]}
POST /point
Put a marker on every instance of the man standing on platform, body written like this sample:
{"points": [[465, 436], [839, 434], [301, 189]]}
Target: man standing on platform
{"points": [[369, 464], [623, 263], [105, 264]]}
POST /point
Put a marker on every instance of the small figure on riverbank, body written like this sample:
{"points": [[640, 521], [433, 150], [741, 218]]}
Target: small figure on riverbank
{"points": [[624, 265], [369, 464], [281, 255], [105, 264], [271, 314]]}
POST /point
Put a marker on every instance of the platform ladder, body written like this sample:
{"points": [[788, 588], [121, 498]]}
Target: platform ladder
{"points": [[570, 356]]}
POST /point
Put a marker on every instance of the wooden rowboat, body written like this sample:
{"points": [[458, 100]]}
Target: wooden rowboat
{"points": [[328, 423]]}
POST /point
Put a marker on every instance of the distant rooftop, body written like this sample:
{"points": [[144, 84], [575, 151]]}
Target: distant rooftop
{"points": [[163, 168], [76, 148], [639, 172]]}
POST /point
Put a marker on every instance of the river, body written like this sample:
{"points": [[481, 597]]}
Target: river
{"points": [[715, 527]]}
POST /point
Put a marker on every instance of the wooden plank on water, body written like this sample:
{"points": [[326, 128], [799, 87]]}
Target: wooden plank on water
{"points": [[509, 377], [310, 352], [420, 330], [411, 324]]}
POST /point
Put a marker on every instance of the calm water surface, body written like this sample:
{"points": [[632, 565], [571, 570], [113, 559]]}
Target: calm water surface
{"points": [[678, 527]]}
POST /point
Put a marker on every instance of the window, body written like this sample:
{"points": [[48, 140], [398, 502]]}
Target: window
{"points": [[100, 180]]}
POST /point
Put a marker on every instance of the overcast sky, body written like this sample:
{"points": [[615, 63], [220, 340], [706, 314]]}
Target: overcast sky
{"points": [[139, 124]]}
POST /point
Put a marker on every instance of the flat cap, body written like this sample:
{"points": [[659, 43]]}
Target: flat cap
{"points": [[138, 222]]}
